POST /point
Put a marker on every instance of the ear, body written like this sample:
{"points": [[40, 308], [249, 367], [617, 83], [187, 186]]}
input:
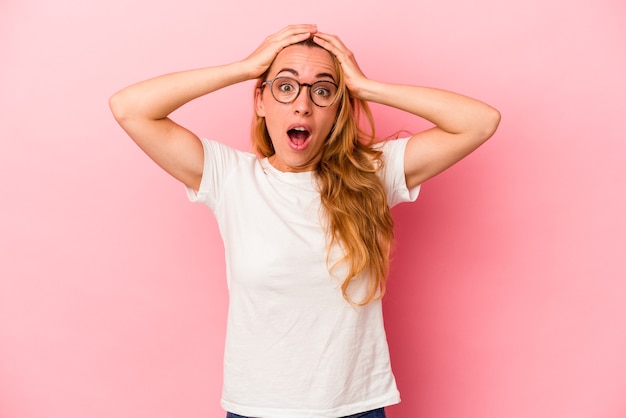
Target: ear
{"points": [[258, 103]]}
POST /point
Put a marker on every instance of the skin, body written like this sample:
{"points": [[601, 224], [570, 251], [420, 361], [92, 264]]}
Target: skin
{"points": [[307, 65], [461, 124]]}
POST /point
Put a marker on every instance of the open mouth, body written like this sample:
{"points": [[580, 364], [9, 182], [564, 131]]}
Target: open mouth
{"points": [[299, 137]]}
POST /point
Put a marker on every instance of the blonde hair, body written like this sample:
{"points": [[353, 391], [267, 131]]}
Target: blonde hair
{"points": [[352, 194]]}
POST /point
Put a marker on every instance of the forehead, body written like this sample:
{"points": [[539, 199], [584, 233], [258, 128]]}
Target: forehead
{"points": [[307, 62]]}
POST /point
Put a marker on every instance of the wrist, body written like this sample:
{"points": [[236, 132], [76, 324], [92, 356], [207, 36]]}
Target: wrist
{"points": [[368, 90], [249, 70]]}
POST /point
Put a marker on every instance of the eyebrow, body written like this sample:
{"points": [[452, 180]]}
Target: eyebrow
{"points": [[295, 73]]}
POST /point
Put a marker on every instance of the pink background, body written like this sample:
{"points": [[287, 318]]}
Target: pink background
{"points": [[508, 295]]}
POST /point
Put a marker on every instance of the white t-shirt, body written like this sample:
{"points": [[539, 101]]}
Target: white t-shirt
{"points": [[294, 347]]}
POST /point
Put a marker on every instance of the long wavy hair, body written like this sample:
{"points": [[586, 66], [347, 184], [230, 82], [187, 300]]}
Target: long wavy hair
{"points": [[352, 194]]}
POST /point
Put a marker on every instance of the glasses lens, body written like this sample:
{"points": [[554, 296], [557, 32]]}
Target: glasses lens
{"points": [[285, 89], [323, 93]]}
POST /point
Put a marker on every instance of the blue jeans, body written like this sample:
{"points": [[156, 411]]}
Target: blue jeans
{"points": [[376, 413]]}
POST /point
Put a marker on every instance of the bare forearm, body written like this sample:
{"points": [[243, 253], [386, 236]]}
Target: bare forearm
{"points": [[451, 112], [156, 98], [462, 124]]}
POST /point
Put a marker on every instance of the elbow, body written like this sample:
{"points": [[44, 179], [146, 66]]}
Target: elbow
{"points": [[494, 120], [497, 116], [117, 106], [491, 121], [123, 106]]}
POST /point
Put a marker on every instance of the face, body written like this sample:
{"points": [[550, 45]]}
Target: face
{"points": [[298, 129]]}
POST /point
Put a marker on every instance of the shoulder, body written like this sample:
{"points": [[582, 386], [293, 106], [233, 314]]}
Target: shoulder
{"points": [[221, 158], [221, 164], [392, 173], [391, 146], [220, 149]]}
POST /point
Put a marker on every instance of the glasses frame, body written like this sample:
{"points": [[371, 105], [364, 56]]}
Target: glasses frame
{"points": [[300, 85]]}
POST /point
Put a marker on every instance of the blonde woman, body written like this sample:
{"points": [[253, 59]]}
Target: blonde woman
{"points": [[305, 218]]}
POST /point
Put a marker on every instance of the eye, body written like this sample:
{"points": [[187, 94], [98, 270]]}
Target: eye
{"points": [[286, 86], [324, 89], [321, 91]]}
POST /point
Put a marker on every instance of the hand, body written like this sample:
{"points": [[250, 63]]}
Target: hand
{"points": [[354, 77], [264, 55]]}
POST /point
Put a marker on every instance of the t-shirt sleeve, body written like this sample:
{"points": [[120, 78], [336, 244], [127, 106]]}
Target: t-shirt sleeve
{"points": [[219, 161], [392, 173]]}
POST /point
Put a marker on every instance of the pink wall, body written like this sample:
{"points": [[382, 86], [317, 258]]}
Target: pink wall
{"points": [[508, 295]]}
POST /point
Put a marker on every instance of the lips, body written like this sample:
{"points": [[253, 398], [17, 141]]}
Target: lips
{"points": [[299, 136]]}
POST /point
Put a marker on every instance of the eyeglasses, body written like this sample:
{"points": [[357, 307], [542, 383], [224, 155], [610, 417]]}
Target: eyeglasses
{"points": [[286, 89]]}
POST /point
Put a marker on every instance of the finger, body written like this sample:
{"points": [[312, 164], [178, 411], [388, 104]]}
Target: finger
{"points": [[336, 47], [296, 32], [291, 35], [301, 28], [329, 38], [332, 43]]}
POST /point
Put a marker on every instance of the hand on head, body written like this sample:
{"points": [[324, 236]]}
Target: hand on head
{"points": [[354, 77], [261, 59]]}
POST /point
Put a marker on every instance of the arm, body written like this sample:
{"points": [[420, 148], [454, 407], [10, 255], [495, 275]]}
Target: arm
{"points": [[142, 109], [462, 124]]}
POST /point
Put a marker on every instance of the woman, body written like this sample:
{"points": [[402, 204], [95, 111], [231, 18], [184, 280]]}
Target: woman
{"points": [[305, 220]]}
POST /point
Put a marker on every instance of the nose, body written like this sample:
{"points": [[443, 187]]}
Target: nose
{"points": [[303, 103]]}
